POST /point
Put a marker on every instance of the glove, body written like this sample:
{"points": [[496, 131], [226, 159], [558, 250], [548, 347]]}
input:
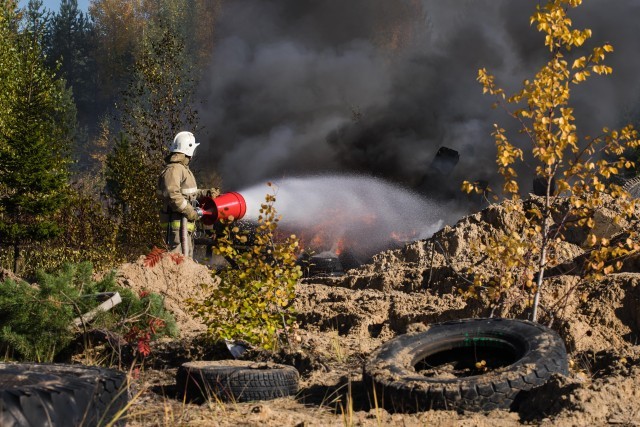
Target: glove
{"points": [[192, 214], [199, 212], [213, 192]]}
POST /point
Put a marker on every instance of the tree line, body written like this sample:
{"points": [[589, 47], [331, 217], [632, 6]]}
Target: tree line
{"points": [[89, 101]]}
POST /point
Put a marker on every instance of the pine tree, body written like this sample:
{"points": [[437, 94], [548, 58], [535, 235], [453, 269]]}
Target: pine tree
{"points": [[156, 105], [69, 43], [37, 119]]}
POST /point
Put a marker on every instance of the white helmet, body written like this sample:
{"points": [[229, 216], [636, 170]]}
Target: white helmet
{"points": [[184, 142]]}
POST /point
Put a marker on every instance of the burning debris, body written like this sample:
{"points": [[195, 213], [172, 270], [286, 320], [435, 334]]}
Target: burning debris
{"points": [[321, 264], [330, 251], [340, 221], [434, 181], [351, 216]]}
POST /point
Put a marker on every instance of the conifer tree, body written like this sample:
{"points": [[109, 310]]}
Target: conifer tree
{"points": [[69, 43], [156, 105], [37, 119]]}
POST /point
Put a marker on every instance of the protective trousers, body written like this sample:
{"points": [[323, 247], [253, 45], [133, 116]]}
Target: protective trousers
{"points": [[179, 236]]}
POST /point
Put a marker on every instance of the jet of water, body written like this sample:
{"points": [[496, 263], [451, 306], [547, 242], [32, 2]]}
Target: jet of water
{"points": [[364, 213]]}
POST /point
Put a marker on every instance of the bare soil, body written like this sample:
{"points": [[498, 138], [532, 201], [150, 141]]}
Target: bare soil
{"points": [[342, 320]]}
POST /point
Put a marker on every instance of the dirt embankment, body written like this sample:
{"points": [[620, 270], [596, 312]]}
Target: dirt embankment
{"points": [[342, 320]]}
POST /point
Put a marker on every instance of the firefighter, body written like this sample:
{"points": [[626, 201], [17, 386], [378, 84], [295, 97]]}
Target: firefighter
{"points": [[179, 193]]}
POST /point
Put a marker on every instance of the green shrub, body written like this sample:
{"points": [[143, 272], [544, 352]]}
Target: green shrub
{"points": [[87, 234], [254, 301], [36, 319]]}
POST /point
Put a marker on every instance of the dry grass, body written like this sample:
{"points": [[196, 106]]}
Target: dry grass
{"points": [[155, 404]]}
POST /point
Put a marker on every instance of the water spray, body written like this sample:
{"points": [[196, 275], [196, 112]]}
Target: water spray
{"points": [[359, 213], [337, 213]]}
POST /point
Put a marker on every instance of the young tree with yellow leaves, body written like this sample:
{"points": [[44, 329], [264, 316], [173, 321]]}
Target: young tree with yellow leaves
{"points": [[254, 300], [575, 173]]}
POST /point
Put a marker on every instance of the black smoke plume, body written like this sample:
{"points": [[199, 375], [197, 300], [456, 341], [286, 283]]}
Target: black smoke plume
{"points": [[377, 86]]}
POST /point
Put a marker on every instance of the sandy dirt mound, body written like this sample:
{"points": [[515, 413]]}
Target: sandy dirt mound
{"points": [[176, 282], [343, 319]]}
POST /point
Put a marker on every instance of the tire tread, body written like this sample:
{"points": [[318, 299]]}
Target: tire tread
{"points": [[544, 356], [237, 384]]}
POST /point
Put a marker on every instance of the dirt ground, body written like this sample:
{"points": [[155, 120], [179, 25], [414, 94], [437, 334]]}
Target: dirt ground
{"points": [[343, 319]]}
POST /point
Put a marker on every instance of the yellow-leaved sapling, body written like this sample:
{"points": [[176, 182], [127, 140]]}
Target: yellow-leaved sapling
{"points": [[254, 301], [574, 173]]}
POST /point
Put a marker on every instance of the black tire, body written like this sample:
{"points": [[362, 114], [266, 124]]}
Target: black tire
{"points": [[235, 381], [633, 187], [519, 356], [34, 394]]}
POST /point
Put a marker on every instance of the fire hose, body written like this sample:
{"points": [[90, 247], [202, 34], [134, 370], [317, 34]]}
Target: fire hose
{"points": [[185, 242]]}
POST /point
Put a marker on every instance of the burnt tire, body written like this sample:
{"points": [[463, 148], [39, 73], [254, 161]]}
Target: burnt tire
{"points": [[33, 394], [518, 355], [235, 381]]}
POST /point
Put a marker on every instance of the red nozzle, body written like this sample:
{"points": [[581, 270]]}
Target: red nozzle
{"points": [[222, 207], [230, 204]]}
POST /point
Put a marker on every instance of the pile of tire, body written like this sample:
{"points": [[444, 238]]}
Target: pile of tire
{"points": [[498, 358], [33, 394], [235, 381]]}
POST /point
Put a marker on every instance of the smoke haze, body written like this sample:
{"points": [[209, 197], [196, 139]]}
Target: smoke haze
{"points": [[376, 87]]}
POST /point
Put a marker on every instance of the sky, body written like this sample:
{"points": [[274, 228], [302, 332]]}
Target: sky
{"points": [[54, 5]]}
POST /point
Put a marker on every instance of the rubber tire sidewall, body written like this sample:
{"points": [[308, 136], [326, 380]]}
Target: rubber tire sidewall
{"points": [[390, 369], [79, 395], [235, 381]]}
